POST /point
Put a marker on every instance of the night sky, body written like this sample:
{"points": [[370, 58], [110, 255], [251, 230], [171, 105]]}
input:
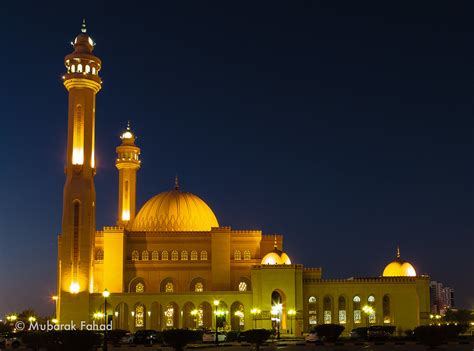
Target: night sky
{"points": [[346, 128]]}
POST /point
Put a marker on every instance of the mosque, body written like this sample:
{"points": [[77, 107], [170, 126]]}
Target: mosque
{"points": [[171, 264]]}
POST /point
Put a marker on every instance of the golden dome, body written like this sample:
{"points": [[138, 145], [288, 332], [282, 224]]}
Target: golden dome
{"points": [[276, 257], [399, 268], [174, 211]]}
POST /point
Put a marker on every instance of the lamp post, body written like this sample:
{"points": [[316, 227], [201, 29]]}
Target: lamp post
{"points": [[368, 310], [254, 312], [105, 294], [276, 311], [291, 313], [216, 303]]}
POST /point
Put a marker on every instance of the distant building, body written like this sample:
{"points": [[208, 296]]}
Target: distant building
{"points": [[441, 297]]}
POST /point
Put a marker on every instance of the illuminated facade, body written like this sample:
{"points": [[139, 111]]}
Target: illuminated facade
{"points": [[172, 264]]}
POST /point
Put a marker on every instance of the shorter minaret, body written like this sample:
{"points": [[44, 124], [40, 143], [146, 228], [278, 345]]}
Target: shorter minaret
{"points": [[127, 163]]}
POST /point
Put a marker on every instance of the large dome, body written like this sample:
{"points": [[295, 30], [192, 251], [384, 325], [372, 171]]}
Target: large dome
{"points": [[399, 268], [174, 211]]}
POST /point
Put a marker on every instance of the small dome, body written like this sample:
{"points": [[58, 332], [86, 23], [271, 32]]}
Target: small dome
{"points": [[174, 211], [275, 257], [399, 268]]}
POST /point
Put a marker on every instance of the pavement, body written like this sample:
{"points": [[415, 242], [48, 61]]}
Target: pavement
{"points": [[291, 345]]}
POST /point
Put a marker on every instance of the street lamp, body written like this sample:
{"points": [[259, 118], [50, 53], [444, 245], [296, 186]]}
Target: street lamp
{"points": [[194, 313], [105, 294], [291, 313], [254, 312], [216, 303], [368, 310], [276, 311]]}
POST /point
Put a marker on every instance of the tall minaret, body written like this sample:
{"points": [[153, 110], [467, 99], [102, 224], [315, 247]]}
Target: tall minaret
{"points": [[127, 163], [76, 241]]}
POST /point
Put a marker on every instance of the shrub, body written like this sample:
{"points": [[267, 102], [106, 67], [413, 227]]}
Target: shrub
{"points": [[256, 337], [431, 335], [179, 338], [329, 332]]}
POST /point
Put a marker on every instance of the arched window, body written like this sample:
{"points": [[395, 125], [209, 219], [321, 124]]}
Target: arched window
{"points": [[327, 308], [169, 316], [237, 255], [371, 302], [184, 255], [88, 68], [79, 68], [247, 255], [169, 287], [203, 255], [155, 255], [139, 288], [99, 255], [139, 316], [244, 284], [76, 223], [135, 255], [174, 255], [342, 310], [386, 309], [164, 256], [93, 70], [144, 255], [312, 311], [198, 287], [194, 255], [357, 310], [73, 68]]}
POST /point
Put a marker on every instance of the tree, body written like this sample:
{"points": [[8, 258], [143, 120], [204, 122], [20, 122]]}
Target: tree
{"points": [[256, 337], [459, 316]]}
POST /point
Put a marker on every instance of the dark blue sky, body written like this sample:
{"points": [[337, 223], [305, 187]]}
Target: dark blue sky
{"points": [[345, 127]]}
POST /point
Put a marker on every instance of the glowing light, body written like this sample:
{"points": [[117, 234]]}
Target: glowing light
{"points": [[270, 260], [74, 288], [116, 313], [125, 215], [194, 312], [12, 318], [291, 312], [127, 135], [78, 156], [55, 297], [106, 293], [31, 319], [255, 311], [55, 321], [216, 302], [92, 160]]}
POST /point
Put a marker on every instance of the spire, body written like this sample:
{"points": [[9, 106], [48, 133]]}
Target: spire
{"points": [[275, 245], [398, 251], [128, 125], [176, 182], [83, 27]]}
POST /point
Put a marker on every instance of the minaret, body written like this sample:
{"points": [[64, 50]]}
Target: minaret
{"points": [[127, 163], [76, 241]]}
